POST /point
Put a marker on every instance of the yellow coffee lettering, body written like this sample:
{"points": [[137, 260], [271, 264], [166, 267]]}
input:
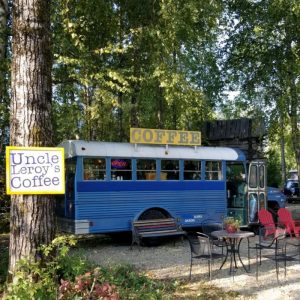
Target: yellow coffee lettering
{"points": [[195, 138], [159, 135], [136, 135], [171, 136], [183, 137], [147, 135]]}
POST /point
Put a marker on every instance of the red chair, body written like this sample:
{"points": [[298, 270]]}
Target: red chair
{"points": [[266, 220], [270, 237], [286, 219]]}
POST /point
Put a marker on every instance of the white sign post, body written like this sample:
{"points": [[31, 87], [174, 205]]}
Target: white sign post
{"points": [[35, 170]]}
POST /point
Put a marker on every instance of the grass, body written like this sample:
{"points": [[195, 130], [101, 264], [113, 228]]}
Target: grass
{"points": [[203, 291]]}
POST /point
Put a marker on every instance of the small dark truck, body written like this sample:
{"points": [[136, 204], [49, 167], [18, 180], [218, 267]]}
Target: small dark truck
{"points": [[291, 190]]}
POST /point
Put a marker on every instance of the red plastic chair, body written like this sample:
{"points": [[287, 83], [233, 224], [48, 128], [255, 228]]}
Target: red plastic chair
{"points": [[266, 220], [267, 223], [270, 237], [285, 218]]}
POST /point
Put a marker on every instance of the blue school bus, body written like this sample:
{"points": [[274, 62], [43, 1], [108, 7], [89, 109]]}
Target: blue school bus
{"points": [[108, 185]]}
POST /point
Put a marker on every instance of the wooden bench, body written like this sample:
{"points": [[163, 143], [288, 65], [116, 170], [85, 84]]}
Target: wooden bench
{"points": [[155, 228]]}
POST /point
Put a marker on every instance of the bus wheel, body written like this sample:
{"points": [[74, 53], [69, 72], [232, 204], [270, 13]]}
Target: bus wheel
{"points": [[152, 214]]}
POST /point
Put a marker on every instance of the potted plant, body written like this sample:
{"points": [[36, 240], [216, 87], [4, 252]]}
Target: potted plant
{"points": [[231, 224]]}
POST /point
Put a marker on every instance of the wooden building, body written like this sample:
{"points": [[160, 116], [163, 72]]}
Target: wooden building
{"points": [[245, 134]]}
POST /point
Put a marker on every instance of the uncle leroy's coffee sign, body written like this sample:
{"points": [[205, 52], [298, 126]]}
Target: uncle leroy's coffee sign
{"points": [[35, 170]]}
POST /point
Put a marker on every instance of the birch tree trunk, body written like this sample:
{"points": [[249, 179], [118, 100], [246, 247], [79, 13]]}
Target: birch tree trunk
{"points": [[32, 216]]}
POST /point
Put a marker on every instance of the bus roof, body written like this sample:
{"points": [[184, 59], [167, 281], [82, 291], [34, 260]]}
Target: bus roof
{"points": [[123, 150]]}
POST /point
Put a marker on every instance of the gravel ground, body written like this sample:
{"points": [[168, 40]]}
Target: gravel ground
{"points": [[172, 261]]}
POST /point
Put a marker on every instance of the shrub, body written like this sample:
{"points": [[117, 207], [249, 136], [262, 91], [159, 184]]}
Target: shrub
{"points": [[87, 286], [133, 285], [59, 275], [38, 279], [118, 282]]}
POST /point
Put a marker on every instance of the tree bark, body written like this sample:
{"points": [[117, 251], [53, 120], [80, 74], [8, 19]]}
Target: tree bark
{"points": [[32, 216], [3, 20], [294, 119], [292, 75], [3, 74]]}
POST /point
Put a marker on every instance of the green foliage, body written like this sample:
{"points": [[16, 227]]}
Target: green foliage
{"points": [[261, 51], [132, 63], [119, 282], [274, 169], [88, 286], [60, 274], [3, 260], [232, 222], [132, 285], [4, 222], [31, 281], [38, 279]]}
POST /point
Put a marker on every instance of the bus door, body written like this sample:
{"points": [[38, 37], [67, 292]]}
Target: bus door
{"points": [[256, 190]]}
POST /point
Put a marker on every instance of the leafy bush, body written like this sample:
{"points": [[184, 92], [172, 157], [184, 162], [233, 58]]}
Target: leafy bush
{"points": [[39, 279], [60, 275], [118, 282], [87, 286], [132, 285]]}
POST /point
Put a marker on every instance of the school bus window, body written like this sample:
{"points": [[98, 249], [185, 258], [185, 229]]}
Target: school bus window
{"points": [[121, 169], [169, 170], [213, 170], [94, 169], [192, 170], [146, 169]]}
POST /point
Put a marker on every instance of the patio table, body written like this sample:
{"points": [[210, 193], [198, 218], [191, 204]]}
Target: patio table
{"points": [[233, 243]]}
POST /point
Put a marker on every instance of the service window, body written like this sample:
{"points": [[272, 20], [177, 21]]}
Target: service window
{"points": [[213, 170], [169, 170], [121, 169], [146, 169], [94, 169], [192, 170]]}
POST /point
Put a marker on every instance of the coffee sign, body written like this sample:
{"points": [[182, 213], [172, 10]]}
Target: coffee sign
{"points": [[165, 137], [35, 170]]}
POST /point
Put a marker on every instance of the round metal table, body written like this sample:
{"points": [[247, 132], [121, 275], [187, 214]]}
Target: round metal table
{"points": [[233, 242]]}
